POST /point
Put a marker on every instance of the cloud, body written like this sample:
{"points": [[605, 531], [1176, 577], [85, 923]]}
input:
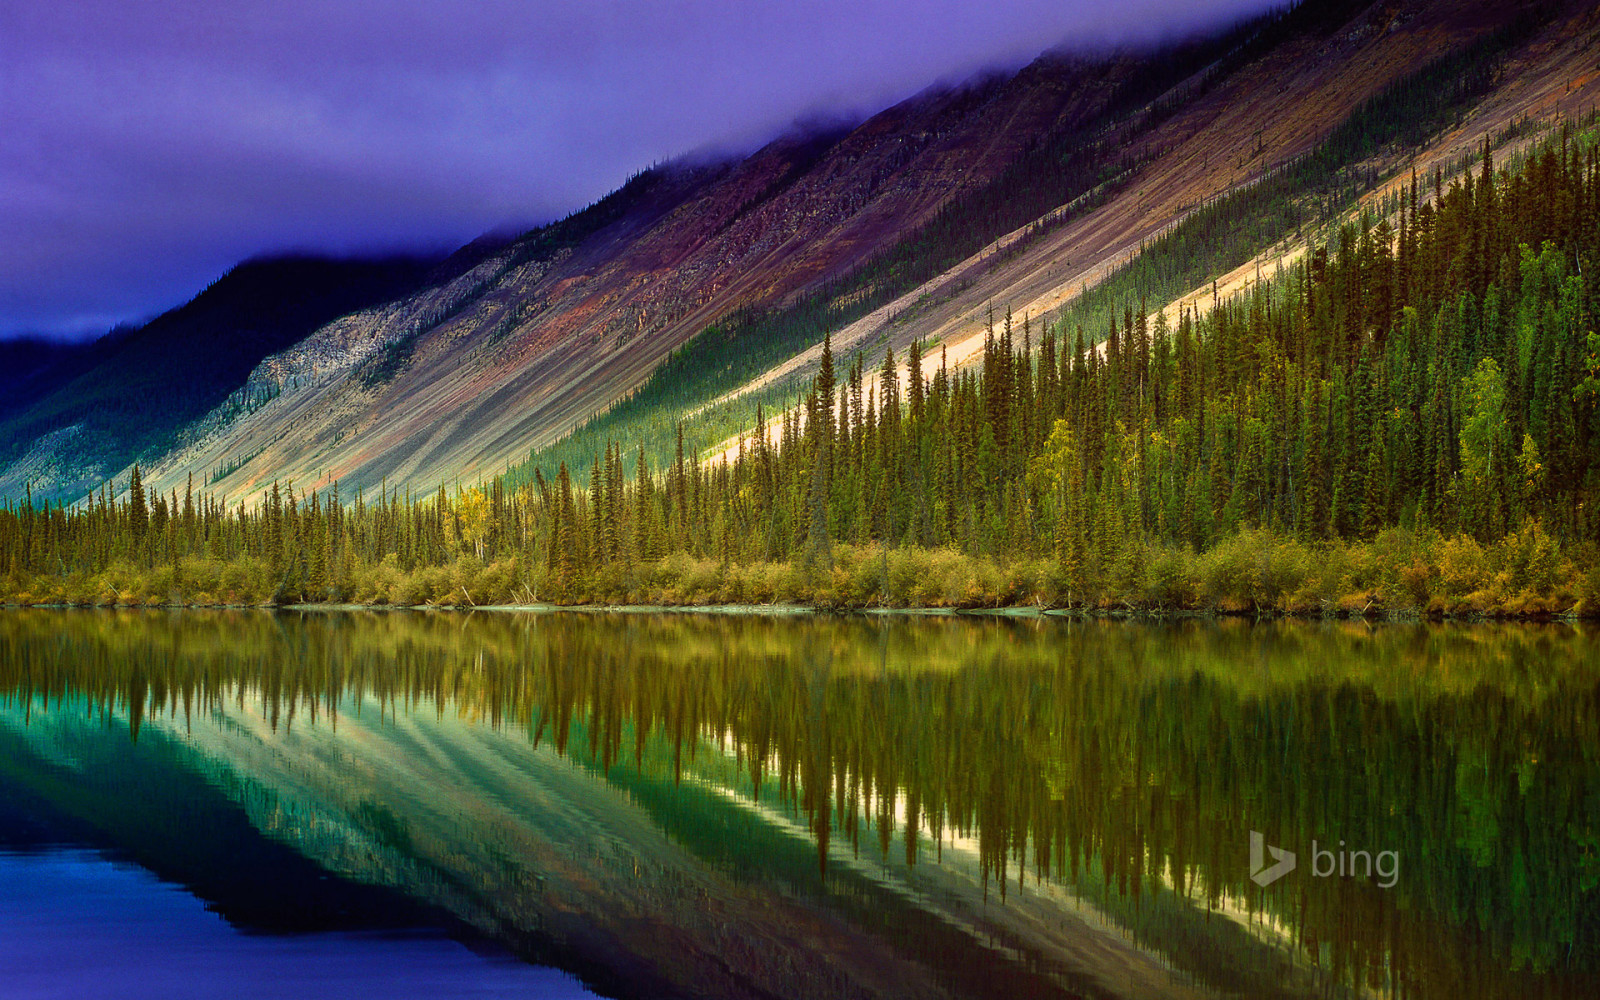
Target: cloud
{"points": [[150, 146]]}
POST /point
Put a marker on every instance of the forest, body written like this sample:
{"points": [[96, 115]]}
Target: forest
{"points": [[1403, 420]]}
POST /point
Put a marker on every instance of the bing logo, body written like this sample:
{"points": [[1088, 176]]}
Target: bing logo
{"points": [[1324, 863]]}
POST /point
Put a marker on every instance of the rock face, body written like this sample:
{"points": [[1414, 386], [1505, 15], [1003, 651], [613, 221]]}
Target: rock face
{"points": [[520, 341]]}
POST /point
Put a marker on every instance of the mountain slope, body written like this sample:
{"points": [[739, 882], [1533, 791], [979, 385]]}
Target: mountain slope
{"points": [[554, 329], [1495, 79], [131, 392], [1020, 189]]}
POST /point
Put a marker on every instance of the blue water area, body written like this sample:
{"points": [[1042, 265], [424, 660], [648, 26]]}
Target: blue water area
{"points": [[75, 923]]}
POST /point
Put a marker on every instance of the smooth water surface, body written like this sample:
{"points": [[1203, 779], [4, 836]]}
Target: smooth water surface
{"points": [[699, 805]]}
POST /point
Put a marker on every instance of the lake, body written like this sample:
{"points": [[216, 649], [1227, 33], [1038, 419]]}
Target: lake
{"points": [[662, 805]]}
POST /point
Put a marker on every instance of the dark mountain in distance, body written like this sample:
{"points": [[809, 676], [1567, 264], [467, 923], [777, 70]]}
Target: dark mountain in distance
{"points": [[30, 363], [129, 392]]}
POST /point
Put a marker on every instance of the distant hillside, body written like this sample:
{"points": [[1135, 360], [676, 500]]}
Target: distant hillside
{"points": [[129, 393], [34, 366]]}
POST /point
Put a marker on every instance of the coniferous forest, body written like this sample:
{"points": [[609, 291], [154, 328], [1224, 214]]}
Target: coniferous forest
{"points": [[1404, 419]]}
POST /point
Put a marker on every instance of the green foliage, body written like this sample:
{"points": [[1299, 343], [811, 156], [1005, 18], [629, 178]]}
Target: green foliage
{"points": [[1484, 426], [1589, 389]]}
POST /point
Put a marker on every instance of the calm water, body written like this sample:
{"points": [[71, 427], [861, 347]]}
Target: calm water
{"points": [[123, 933], [688, 805]]}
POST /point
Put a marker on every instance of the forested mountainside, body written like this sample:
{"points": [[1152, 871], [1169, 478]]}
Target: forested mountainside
{"points": [[1018, 188], [1085, 338], [1406, 418]]}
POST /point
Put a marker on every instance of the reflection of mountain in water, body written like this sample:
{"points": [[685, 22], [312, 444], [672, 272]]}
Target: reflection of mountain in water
{"points": [[748, 806]]}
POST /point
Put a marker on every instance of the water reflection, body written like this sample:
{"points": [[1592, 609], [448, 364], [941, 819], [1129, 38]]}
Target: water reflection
{"points": [[73, 923], [750, 806]]}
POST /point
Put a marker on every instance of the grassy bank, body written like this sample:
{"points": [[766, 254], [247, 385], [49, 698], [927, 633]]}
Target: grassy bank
{"points": [[1524, 575]]}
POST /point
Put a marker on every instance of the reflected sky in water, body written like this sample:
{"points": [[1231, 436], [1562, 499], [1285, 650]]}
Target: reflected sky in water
{"points": [[76, 924]]}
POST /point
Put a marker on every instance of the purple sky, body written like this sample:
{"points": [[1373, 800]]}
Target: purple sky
{"points": [[145, 147]]}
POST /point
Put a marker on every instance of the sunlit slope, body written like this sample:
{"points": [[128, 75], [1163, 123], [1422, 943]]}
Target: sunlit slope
{"points": [[1243, 212]]}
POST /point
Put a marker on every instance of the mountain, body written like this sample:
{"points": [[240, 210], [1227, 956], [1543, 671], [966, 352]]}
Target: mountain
{"points": [[98, 406], [698, 282]]}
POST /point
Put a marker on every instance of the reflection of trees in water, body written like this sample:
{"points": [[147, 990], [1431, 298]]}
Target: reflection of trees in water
{"points": [[1130, 760]]}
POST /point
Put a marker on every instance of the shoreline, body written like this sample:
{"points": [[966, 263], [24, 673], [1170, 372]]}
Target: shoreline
{"points": [[1036, 612]]}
